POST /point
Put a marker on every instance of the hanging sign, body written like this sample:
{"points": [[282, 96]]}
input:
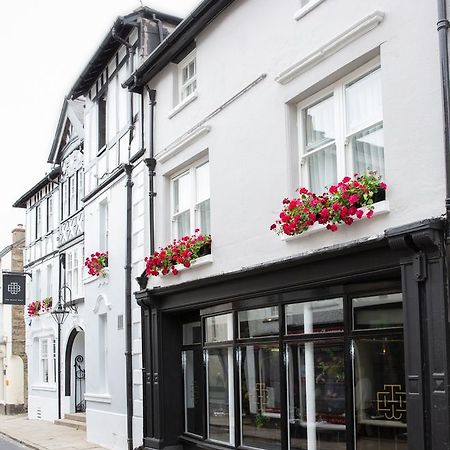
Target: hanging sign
{"points": [[13, 289]]}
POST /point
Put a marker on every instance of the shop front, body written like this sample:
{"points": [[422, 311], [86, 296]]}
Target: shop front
{"points": [[345, 349]]}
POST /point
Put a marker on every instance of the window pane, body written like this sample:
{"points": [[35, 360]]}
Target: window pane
{"points": [[322, 169], [219, 328], [322, 316], [381, 311], [368, 150], [319, 123], [363, 102], [202, 182], [203, 217], [181, 193], [258, 322], [193, 391], [192, 333], [182, 224], [220, 395], [316, 396], [260, 396], [380, 394]]}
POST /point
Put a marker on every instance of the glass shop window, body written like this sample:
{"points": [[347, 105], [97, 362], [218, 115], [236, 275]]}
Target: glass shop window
{"points": [[321, 316], [260, 396], [380, 393], [258, 322], [316, 396], [192, 359], [381, 311], [219, 328]]}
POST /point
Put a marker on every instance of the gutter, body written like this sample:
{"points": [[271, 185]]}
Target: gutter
{"points": [[175, 42], [443, 26]]}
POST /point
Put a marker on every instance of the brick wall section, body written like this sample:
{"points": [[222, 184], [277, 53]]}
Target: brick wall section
{"points": [[18, 322]]}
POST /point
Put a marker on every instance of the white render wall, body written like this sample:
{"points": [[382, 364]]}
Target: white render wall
{"points": [[252, 144], [106, 399]]}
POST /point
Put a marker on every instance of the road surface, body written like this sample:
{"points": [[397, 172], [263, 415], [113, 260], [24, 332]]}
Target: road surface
{"points": [[6, 444]]}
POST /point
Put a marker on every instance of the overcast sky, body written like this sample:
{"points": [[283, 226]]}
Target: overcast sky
{"points": [[45, 44]]}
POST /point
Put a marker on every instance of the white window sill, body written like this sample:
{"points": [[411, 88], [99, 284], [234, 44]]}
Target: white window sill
{"points": [[188, 100], [202, 261], [381, 208], [98, 398], [102, 279], [307, 8], [43, 387]]}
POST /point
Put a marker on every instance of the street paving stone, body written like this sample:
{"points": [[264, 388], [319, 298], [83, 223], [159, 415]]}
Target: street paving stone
{"points": [[42, 435]]}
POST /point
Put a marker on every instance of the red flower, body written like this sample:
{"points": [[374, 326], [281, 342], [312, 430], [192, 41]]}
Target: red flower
{"points": [[369, 214], [333, 189], [346, 179]]}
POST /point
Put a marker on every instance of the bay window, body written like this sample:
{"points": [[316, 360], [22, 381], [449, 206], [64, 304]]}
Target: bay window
{"points": [[190, 197], [342, 130]]}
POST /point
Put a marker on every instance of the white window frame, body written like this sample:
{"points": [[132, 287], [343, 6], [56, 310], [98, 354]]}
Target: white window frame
{"points": [[74, 258], [344, 157], [47, 375], [193, 209], [183, 97]]}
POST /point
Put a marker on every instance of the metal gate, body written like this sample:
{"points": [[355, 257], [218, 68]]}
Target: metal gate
{"points": [[80, 374]]}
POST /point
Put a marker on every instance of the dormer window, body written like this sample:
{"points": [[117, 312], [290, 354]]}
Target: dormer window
{"points": [[188, 76]]}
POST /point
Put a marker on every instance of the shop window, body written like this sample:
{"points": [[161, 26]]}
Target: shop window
{"points": [[220, 395], [260, 396], [380, 393], [382, 311], [258, 322], [316, 395], [323, 316], [191, 201], [322, 355], [192, 357], [342, 130]]}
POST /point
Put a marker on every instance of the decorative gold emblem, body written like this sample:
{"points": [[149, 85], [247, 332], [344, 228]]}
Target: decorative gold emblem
{"points": [[392, 402]]}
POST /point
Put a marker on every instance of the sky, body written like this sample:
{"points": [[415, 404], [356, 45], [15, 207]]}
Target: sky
{"points": [[45, 44]]}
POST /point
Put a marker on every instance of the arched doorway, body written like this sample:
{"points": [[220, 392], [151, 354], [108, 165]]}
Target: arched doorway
{"points": [[75, 374]]}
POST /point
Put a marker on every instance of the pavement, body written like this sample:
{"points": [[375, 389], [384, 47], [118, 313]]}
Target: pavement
{"points": [[43, 435]]}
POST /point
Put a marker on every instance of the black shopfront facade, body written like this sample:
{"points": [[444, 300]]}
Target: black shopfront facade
{"points": [[343, 349]]}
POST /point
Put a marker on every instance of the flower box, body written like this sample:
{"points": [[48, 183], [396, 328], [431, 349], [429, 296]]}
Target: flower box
{"points": [[349, 200], [182, 252]]}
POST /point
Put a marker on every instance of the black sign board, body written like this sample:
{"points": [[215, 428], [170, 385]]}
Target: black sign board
{"points": [[13, 289]]}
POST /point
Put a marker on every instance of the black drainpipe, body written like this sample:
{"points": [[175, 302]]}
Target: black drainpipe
{"points": [[128, 321], [151, 164], [443, 26]]}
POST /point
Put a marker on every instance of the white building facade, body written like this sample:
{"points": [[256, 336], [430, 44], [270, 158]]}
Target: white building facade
{"points": [[297, 342]]}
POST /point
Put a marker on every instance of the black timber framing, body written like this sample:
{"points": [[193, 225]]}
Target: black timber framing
{"points": [[413, 258]]}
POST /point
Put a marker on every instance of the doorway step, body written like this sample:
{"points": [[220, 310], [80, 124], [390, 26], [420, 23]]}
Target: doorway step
{"points": [[74, 420]]}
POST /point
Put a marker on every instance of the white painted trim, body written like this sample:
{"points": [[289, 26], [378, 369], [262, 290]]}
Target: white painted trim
{"points": [[307, 8], [381, 208], [43, 387], [331, 47], [183, 104], [98, 398], [202, 261], [180, 144]]}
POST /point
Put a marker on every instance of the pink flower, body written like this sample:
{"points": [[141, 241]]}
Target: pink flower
{"points": [[369, 214], [354, 198], [359, 213]]}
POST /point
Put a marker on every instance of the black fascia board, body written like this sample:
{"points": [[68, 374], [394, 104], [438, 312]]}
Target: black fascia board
{"points": [[22, 201], [176, 42], [109, 46], [62, 117]]}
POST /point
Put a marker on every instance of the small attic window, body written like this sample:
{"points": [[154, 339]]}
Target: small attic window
{"points": [[187, 73]]}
